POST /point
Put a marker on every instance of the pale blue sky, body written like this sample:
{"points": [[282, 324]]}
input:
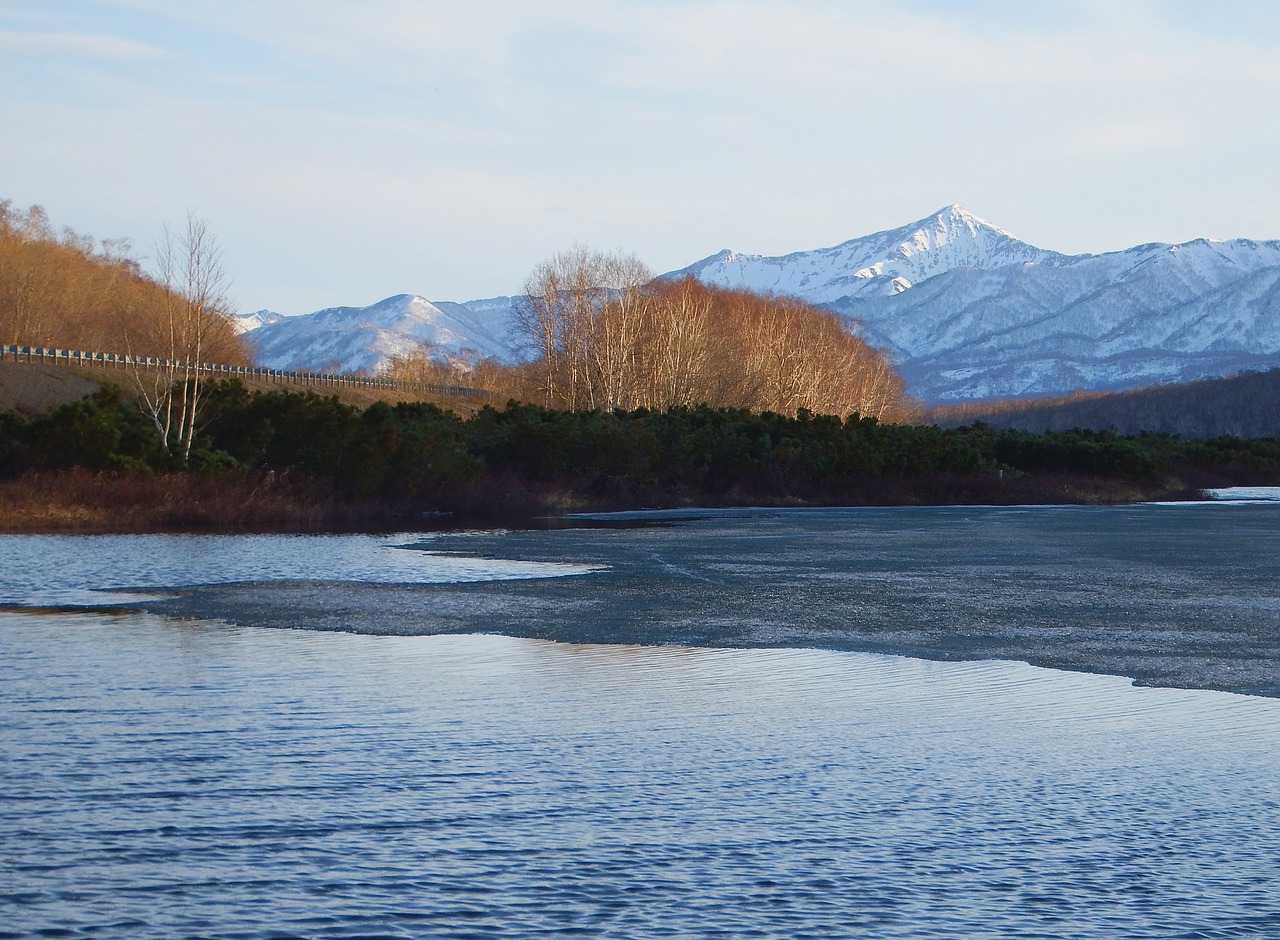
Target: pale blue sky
{"points": [[344, 151]]}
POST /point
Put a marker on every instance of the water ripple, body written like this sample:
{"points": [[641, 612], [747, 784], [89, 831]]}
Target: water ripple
{"points": [[194, 779]]}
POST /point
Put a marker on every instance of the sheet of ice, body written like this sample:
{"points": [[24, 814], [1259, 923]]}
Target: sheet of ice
{"points": [[1253, 494], [1185, 596]]}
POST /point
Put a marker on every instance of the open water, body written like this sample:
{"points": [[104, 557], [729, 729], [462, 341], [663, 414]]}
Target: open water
{"points": [[174, 765]]}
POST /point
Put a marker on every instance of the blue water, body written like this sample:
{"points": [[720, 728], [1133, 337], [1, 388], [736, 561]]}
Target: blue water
{"points": [[80, 570], [191, 778]]}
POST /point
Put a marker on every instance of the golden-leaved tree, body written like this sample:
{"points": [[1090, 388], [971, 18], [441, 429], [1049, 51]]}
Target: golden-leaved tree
{"points": [[64, 289], [605, 335]]}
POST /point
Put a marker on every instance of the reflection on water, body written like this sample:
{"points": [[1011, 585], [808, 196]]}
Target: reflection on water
{"points": [[62, 570], [188, 778]]}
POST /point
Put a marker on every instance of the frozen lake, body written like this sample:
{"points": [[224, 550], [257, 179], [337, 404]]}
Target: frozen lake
{"points": [[190, 770]]}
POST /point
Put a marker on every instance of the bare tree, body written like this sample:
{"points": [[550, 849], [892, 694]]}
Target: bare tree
{"points": [[580, 309], [608, 336], [195, 307], [616, 334], [673, 349], [538, 321]]}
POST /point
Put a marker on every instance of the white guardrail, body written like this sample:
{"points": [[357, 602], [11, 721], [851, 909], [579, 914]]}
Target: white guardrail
{"points": [[75, 357]]}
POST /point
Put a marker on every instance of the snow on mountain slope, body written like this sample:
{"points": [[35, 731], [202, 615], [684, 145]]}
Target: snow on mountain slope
{"points": [[363, 339], [244, 322], [1149, 314], [879, 265]]}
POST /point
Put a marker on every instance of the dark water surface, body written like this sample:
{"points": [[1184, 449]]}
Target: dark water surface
{"points": [[166, 777]]}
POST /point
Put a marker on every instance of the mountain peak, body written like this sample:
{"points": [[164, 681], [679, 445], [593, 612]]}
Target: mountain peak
{"points": [[884, 263], [959, 212], [955, 221], [364, 339]]}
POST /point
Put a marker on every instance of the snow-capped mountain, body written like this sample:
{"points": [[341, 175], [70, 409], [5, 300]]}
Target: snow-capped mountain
{"points": [[364, 339], [879, 265], [965, 309], [1155, 313]]}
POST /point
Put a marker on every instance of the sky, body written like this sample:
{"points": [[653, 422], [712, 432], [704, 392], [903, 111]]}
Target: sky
{"points": [[346, 150]]}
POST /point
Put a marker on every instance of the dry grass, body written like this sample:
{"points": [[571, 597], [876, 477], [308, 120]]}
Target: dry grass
{"points": [[84, 501]]}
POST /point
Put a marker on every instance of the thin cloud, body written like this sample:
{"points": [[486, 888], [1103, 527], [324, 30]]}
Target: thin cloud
{"points": [[475, 138], [79, 44]]}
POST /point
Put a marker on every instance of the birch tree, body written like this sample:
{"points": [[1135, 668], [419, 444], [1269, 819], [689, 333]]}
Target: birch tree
{"points": [[617, 332], [676, 343], [581, 315], [194, 306], [607, 336]]}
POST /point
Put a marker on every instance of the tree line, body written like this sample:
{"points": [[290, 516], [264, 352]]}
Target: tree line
{"points": [[601, 332], [605, 339], [1246, 404], [408, 458]]}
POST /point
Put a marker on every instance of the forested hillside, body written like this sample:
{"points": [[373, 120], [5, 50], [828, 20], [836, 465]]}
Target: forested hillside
{"points": [[65, 289]]}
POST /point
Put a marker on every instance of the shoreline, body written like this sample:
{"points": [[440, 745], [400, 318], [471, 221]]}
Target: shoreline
{"points": [[83, 502]]}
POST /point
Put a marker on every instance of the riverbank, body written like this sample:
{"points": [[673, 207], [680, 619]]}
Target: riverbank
{"points": [[84, 502]]}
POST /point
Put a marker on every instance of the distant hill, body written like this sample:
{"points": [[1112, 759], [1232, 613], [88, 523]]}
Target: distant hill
{"points": [[365, 339], [1244, 405]]}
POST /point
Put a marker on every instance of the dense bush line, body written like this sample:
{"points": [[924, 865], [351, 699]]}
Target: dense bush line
{"points": [[528, 457]]}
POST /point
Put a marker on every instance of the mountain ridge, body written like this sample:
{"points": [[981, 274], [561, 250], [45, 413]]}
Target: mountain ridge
{"points": [[965, 309]]}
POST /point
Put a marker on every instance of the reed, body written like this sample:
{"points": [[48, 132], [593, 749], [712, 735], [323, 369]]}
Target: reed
{"points": [[78, 500]]}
